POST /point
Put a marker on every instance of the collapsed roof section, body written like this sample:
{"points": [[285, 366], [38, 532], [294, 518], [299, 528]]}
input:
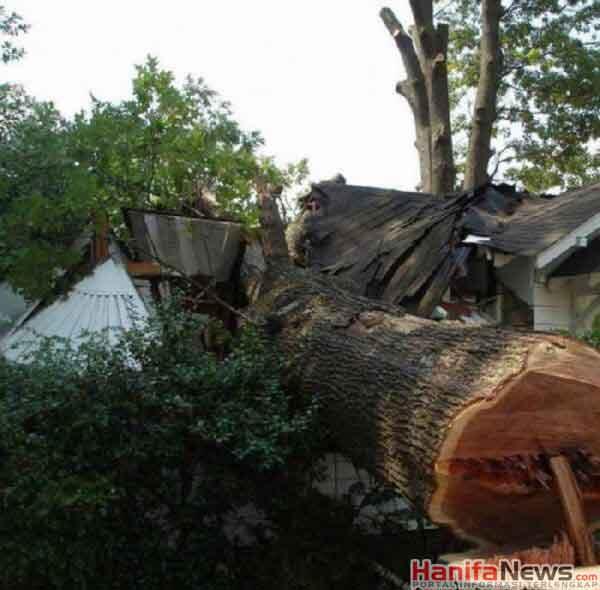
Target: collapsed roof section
{"points": [[401, 247], [190, 246], [406, 248], [117, 292]]}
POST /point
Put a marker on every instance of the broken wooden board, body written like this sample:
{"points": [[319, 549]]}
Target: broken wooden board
{"points": [[573, 510]]}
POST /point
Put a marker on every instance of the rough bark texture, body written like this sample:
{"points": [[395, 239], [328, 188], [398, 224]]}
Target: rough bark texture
{"points": [[424, 54], [392, 387], [463, 421], [414, 91], [273, 238], [484, 115]]}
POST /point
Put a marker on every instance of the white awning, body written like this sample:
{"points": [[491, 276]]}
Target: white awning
{"points": [[105, 302]]}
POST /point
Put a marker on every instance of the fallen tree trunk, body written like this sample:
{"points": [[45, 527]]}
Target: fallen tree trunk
{"points": [[473, 425], [463, 421]]}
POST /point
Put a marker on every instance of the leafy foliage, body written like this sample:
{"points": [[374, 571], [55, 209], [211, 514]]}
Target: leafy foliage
{"points": [[592, 336], [152, 464], [44, 198], [548, 123], [121, 464], [167, 146], [11, 26]]}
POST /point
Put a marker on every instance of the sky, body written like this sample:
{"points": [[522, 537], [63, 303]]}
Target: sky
{"points": [[316, 77]]}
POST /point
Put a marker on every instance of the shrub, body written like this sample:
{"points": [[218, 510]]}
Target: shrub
{"points": [[121, 465]]}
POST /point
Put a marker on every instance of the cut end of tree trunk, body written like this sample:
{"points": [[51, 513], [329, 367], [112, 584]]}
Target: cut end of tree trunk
{"points": [[491, 432], [496, 473]]}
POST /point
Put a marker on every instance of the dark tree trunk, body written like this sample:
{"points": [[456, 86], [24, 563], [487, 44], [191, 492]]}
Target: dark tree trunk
{"points": [[465, 422], [424, 54], [484, 115], [414, 90], [426, 88], [461, 420]]}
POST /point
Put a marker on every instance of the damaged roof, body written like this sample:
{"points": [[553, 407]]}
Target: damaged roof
{"points": [[406, 247], [541, 222], [191, 245]]}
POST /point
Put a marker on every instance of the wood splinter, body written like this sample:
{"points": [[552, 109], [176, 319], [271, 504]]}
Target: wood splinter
{"points": [[572, 504]]}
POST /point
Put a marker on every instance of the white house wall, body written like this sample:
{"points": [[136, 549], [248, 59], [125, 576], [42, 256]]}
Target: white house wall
{"points": [[559, 304], [586, 292], [342, 478], [517, 275], [553, 308]]}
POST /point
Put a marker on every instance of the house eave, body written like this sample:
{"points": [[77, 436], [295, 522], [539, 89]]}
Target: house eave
{"points": [[547, 260]]}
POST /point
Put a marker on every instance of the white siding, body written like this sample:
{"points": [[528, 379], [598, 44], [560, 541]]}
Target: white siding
{"points": [[104, 302], [517, 275], [553, 308]]}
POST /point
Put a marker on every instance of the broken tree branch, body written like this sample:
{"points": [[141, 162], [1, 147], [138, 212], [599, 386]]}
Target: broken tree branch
{"points": [[273, 233]]}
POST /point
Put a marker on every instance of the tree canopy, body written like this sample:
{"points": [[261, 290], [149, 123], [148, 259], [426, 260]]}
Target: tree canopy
{"points": [[169, 145], [503, 88], [11, 26]]}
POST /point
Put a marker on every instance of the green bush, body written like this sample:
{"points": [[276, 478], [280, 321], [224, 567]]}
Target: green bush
{"points": [[127, 466], [119, 465]]}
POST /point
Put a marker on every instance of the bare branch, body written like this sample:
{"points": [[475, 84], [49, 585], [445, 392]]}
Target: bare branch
{"points": [[422, 12], [442, 156], [423, 31], [394, 26]]}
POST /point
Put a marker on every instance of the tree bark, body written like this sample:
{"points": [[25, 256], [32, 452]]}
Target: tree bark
{"points": [[424, 54], [462, 421], [414, 91], [484, 115], [459, 420], [442, 155]]}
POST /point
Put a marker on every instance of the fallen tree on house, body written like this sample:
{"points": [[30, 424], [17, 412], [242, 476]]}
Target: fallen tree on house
{"points": [[466, 422]]}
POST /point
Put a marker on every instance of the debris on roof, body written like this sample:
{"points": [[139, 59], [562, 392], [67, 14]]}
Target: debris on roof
{"points": [[406, 248], [191, 246], [394, 245]]}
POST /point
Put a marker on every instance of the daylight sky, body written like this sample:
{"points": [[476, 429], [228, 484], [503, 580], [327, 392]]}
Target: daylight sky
{"points": [[316, 77]]}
